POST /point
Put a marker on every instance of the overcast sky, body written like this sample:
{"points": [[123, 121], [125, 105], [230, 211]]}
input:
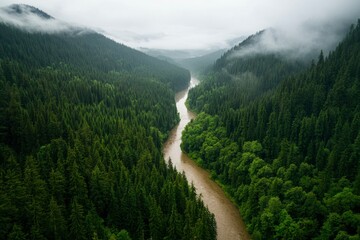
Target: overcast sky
{"points": [[193, 24]]}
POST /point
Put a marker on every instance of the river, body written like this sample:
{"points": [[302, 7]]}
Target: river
{"points": [[229, 222]]}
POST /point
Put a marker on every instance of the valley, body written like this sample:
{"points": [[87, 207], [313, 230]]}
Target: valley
{"points": [[202, 129], [228, 220]]}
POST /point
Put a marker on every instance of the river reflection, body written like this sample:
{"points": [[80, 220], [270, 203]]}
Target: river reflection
{"points": [[229, 223]]}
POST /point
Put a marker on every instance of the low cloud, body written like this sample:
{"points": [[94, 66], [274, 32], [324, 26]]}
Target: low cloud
{"points": [[306, 28], [32, 20], [204, 24], [304, 41]]}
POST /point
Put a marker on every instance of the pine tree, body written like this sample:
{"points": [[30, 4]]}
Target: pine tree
{"points": [[77, 221]]}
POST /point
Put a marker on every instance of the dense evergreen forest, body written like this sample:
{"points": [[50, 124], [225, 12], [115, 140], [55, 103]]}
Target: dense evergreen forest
{"points": [[92, 55], [82, 122], [284, 140]]}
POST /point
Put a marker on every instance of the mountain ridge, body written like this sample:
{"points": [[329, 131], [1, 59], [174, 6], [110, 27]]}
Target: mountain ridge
{"points": [[102, 53], [26, 9]]}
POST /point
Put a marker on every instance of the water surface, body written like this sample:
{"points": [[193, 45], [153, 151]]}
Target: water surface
{"points": [[229, 222]]}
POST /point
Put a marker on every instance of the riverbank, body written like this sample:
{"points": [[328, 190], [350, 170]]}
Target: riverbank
{"points": [[228, 219]]}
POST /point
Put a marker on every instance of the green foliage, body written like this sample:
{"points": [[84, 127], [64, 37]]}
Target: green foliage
{"points": [[89, 52], [286, 152], [82, 124]]}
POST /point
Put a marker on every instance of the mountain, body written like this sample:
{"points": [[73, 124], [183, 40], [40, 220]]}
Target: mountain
{"points": [[268, 42], [244, 75], [94, 51], [82, 123], [196, 60], [288, 156], [31, 19], [198, 65], [23, 9], [174, 54]]}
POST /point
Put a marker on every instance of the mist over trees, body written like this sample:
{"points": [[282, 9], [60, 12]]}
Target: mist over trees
{"points": [[83, 120], [283, 138]]}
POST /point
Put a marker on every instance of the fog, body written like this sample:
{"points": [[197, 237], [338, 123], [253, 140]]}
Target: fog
{"points": [[204, 24], [304, 41], [23, 17]]}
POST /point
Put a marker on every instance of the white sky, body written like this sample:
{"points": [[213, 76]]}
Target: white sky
{"points": [[193, 24]]}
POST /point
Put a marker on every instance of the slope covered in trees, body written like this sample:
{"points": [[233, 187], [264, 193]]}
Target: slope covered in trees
{"points": [[83, 49], [199, 65], [290, 156], [82, 122], [239, 77]]}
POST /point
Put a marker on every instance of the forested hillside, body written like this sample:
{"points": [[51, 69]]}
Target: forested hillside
{"points": [[234, 81], [199, 65], [82, 122], [288, 156], [89, 52]]}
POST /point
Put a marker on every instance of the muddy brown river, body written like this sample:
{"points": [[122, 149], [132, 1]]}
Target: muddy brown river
{"points": [[229, 222]]}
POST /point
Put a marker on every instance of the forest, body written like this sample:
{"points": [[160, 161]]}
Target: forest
{"points": [[282, 137], [82, 123]]}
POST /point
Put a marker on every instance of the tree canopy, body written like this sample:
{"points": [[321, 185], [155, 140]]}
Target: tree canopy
{"points": [[82, 123], [288, 152]]}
